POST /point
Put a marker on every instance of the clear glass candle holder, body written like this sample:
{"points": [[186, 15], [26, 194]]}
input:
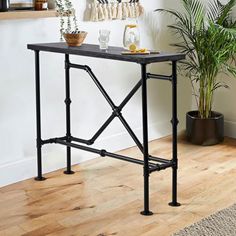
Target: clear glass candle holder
{"points": [[104, 37]]}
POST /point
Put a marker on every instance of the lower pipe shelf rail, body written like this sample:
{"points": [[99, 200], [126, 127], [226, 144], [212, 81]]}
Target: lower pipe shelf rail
{"points": [[161, 164]]}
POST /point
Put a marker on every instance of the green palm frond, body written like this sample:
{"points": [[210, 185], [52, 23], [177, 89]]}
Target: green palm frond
{"points": [[225, 12], [195, 11], [213, 12], [207, 35], [218, 12]]}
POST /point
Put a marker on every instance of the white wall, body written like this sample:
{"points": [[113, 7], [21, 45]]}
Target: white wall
{"points": [[89, 109], [225, 102]]}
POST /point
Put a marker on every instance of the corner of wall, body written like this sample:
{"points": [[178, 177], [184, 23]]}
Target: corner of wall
{"points": [[230, 129]]}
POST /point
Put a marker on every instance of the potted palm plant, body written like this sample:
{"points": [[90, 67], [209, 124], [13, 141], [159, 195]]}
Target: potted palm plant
{"points": [[207, 35], [68, 23]]}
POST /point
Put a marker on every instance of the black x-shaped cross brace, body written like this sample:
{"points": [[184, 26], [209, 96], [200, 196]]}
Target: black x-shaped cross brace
{"points": [[155, 164], [116, 113], [116, 109]]}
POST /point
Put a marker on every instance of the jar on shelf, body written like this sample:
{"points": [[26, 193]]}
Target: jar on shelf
{"points": [[41, 5], [4, 5], [131, 36], [51, 4]]}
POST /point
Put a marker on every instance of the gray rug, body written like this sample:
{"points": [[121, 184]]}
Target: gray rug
{"points": [[222, 223]]}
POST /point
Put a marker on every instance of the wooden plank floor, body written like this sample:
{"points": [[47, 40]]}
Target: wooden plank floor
{"points": [[105, 196]]}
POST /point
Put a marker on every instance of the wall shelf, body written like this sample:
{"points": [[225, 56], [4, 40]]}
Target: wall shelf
{"points": [[11, 15]]}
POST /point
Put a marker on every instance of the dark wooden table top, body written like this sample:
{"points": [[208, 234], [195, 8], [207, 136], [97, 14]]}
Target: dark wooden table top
{"points": [[113, 53]]}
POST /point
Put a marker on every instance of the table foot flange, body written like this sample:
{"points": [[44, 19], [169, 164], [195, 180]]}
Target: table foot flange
{"points": [[66, 172], [39, 178], [174, 204], [146, 213]]}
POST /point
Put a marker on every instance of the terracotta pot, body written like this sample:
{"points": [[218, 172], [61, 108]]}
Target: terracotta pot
{"points": [[40, 6], [74, 40], [205, 132]]}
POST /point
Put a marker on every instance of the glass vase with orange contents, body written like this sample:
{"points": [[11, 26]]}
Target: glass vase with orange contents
{"points": [[131, 39]]}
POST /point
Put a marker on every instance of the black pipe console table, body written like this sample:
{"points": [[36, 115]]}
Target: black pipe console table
{"points": [[149, 163]]}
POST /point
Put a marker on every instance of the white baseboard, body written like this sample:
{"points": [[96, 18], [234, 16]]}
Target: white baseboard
{"points": [[25, 169], [230, 129]]}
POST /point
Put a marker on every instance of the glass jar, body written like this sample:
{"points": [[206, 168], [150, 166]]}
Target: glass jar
{"points": [[41, 5], [4, 5], [104, 37], [51, 4], [131, 36]]}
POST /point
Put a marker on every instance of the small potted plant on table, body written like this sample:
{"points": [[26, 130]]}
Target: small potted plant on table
{"points": [[208, 38], [68, 24]]}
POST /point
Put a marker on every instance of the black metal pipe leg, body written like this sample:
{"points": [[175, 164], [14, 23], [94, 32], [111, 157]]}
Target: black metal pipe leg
{"points": [[174, 122], [68, 170], [146, 210], [38, 118]]}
